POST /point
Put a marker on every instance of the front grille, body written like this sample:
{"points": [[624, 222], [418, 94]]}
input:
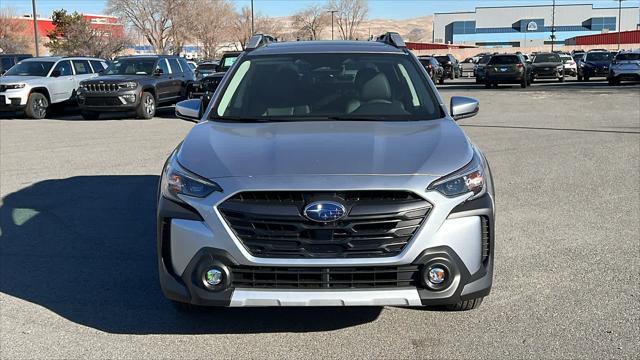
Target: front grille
{"points": [[325, 278], [102, 101], [376, 224], [101, 87]]}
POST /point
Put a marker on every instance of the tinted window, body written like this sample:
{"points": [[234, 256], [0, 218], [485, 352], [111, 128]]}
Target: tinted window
{"points": [[628, 56], [485, 59], [207, 67], [162, 64], [175, 67], [6, 63], [131, 66], [31, 68], [81, 67], [504, 59], [316, 87], [186, 66], [64, 67], [598, 56], [97, 65], [542, 58]]}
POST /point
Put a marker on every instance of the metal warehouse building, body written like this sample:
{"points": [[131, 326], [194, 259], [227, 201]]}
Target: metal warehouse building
{"points": [[529, 25]]}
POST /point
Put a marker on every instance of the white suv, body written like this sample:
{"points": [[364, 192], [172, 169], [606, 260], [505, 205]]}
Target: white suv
{"points": [[34, 84]]}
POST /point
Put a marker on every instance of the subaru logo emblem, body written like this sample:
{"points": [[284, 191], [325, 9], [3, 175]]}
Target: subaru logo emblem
{"points": [[324, 211]]}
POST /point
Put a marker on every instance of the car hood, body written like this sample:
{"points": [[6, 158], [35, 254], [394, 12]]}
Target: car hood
{"points": [[597, 63], [215, 150], [113, 78], [19, 79]]}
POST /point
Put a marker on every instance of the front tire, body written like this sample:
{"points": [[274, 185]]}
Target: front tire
{"points": [[523, 83], [37, 106], [441, 80], [466, 305], [561, 79], [147, 107]]}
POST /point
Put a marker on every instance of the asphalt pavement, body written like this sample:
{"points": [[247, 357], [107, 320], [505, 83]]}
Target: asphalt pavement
{"points": [[78, 273]]}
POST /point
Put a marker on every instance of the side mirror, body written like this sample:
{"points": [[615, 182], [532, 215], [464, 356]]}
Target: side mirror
{"points": [[55, 73], [188, 110], [463, 107], [158, 72]]}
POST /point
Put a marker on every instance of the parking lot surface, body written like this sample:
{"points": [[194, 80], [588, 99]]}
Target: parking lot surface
{"points": [[78, 272]]}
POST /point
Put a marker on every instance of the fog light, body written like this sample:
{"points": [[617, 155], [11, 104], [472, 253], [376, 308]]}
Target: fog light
{"points": [[129, 97], [437, 275], [212, 277]]}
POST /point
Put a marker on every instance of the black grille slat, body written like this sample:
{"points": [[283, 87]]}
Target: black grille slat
{"points": [[325, 278], [377, 224]]}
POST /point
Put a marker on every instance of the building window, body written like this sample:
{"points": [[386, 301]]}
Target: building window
{"points": [[464, 27], [601, 23]]}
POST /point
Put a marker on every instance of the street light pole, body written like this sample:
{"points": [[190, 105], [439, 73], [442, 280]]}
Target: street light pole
{"points": [[35, 26], [619, 19], [553, 25], [332, 12], [253, 30]]}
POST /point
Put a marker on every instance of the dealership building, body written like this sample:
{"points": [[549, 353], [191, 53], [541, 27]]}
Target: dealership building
{"points": [[529, 25]]}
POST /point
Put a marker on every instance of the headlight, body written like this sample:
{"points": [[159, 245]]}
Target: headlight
{"points": [[14, 86], [466, 180], [128, 85], [177, 180]]}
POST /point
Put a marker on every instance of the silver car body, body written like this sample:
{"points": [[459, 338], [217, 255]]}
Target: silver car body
{"points": [[625, 69], [326, 156], [59, 88]]}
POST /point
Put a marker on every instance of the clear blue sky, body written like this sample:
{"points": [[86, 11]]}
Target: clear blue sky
{"points": [[396, 9]]}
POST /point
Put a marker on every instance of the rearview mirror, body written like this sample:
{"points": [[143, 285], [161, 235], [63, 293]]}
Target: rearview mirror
{"points": [[188, 110], [158, 72], [463, 107]]}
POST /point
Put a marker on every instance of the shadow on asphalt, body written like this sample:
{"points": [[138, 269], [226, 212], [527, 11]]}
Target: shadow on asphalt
{"points": [[72, 113], [84, 248]]}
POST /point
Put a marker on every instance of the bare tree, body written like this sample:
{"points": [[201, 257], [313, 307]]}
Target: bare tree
{"points": [[14, 36], [242, 26], [211, 24], [310, 22], [153, 19], [349, 16]]}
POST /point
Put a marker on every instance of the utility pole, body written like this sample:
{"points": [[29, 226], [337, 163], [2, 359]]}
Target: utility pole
{"points": [[253, 30], [619, 21], [553, 25], [332, 12], [35, 26]]}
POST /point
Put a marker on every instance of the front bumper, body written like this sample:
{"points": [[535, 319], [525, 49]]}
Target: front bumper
{"points": [[123, 100], [12, 100], [625, 74], [595, 72], [193, 236], [547, 74]]}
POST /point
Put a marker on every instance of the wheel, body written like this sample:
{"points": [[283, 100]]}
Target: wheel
{"points": [[147, 107], [466, 305], [523, 84], [441, 80], [561, 79], [614, 82], [89, 115], [189, 92], [487, 85], [37, 106], [495, 85], [579, 77], [452, 76], [586, 78]]}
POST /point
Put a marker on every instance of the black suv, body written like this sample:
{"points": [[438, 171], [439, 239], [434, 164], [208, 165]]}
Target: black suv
{"points": [[507, 69], [450, 65], [138, 83], [433, 67], [8, 60], [547, 66]]}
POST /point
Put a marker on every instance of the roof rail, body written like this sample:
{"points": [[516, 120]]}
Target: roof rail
{"points": [[258, 40], [393, 39]]}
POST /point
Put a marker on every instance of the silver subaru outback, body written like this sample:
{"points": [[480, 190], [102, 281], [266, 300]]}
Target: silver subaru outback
{"points": [[326, 173]]}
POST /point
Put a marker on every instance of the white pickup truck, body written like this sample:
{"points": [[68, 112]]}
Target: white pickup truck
{"points": [[34, 84]]}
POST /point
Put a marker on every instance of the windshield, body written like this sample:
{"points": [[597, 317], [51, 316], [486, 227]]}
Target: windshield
{"points": [[327, 87], [30, 68], [543, 58], [628, 56], [598, 56], [566, 58], [131, 67], [504, 60]]}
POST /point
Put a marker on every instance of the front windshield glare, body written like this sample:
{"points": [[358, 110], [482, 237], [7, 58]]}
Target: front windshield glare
{"points": [[30, 68], [131, 67], [542, 58], [327, 86]]}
